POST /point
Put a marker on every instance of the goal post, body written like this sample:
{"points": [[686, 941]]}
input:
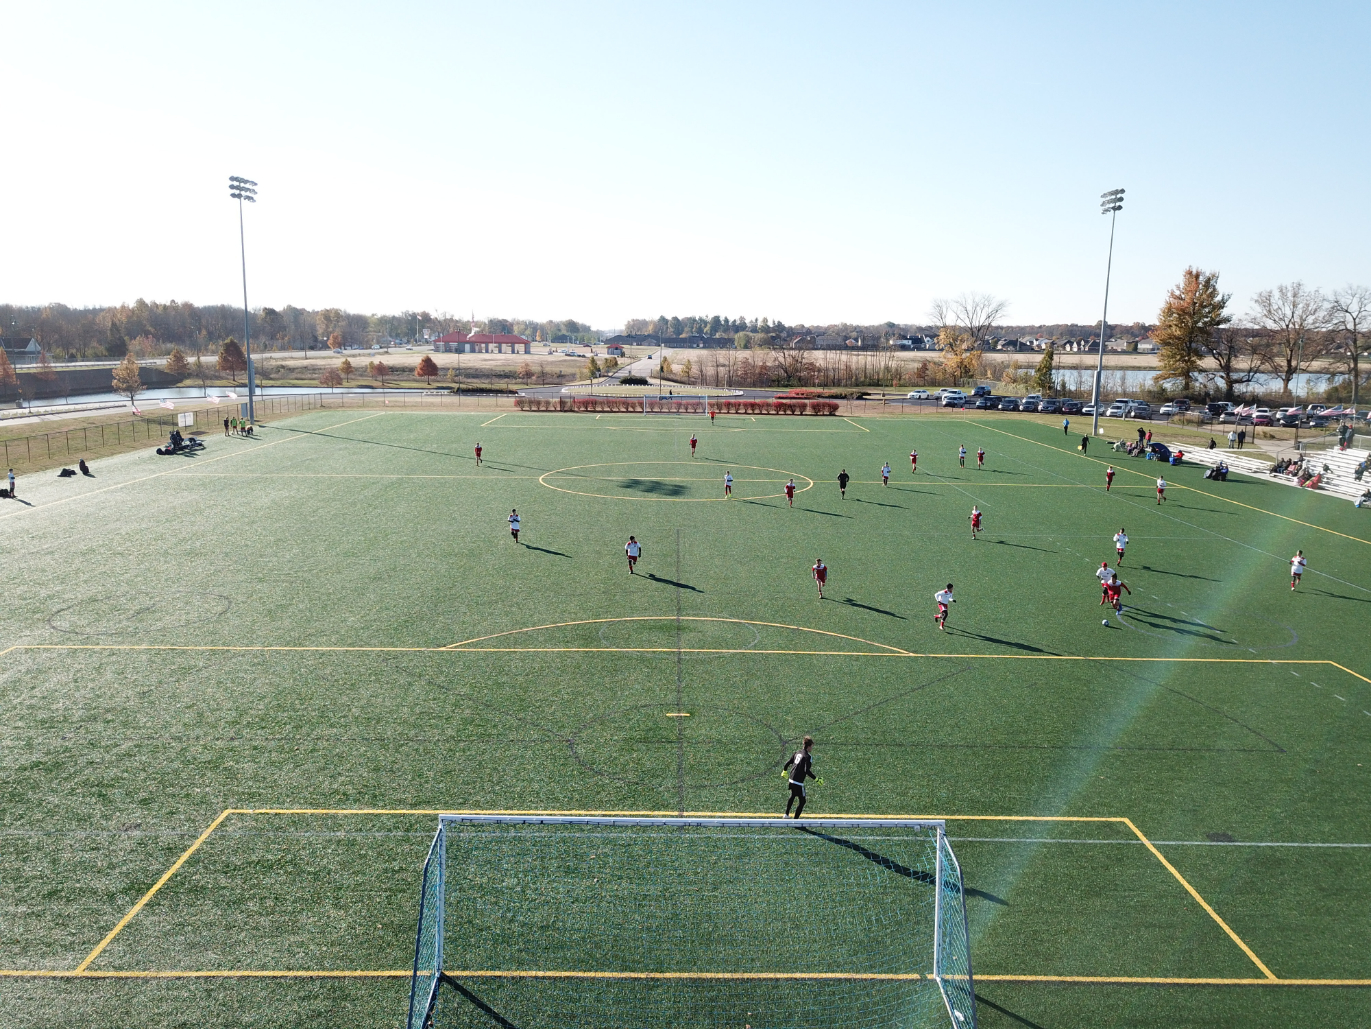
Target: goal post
{"points": [[683, 922]]}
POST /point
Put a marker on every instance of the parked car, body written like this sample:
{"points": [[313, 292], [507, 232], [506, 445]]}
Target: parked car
{"points": [[1218, 408], [954, 398], [1009, 404], [1168, 409], [1028, 404], [1139, 409], [1115, 410], [1052, 405], [917, 394], [1072, 407], [1317, 408], [981, 391], [1263, 419], [986, 402]]}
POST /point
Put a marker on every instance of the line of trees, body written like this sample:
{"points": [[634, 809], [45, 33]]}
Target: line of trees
{"points": [[1290, 329]]}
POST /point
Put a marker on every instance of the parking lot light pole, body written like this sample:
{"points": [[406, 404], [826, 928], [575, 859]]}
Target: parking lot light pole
{"points": [[241, 189], [1111, 203]]}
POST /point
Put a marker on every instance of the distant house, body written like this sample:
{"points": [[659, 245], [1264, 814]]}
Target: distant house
{"points": [[634, 339], [21, 350], [614, 350], [828, 342], [482, 343]]}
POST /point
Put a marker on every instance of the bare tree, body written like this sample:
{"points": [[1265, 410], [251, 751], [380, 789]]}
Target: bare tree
{"points": [[975, 313], [1294, 317], [1349, 309], [1235, 355]]}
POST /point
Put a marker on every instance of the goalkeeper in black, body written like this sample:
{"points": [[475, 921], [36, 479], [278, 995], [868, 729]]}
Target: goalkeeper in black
{"points": [[800, 767]]}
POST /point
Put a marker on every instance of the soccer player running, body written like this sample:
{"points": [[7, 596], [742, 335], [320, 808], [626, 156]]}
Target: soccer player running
{"points": [[799, 768], [820, 572], [980, 457], [975, 520], [913, 462], [634, 550], [1297, 567], [944, 598], [1113, 590], [1161, 489], [961, 455], [514, 524], [843, 480], [1120, 542], [790, 492], [1108, 478], [885, 474], [477, 448], [728, 484], [693, 441], [1104, 573]]}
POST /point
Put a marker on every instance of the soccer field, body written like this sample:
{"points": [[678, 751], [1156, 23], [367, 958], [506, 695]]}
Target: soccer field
{"points": [[239, 688]]}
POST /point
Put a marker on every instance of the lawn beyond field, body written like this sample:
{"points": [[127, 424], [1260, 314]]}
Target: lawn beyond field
{"points": [[334, 617]]}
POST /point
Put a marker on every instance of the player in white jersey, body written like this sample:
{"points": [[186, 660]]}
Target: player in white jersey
{"points": [[1161, 489], [1120, 542], [514, 525], [634, 550], [944, 598], [1297, 567], [728, 484], [885, 474]]}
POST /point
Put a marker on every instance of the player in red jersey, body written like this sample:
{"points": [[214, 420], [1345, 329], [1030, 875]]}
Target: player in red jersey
{"points": [[913, 461], [790, 492], [1113, 593], [975, 520], [693, 441], [820, 572], [478, 455], [711, 417], [944, 598], [1108, 478], [980, 457]]}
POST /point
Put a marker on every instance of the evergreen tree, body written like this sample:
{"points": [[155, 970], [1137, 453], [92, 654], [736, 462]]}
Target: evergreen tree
{"points": [[1042, 378]]}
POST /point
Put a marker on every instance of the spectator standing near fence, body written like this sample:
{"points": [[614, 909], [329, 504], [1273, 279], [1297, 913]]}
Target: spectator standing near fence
{"points": [[1242, 438], [1232, 439], [12, 493]]}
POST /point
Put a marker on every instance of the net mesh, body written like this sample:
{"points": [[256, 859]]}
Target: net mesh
{"points": [[428, 953], [596, 922], [954, 942]]}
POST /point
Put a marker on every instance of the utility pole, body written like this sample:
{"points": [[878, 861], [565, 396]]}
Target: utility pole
{"points": [[1111, 203], [241, 189]]}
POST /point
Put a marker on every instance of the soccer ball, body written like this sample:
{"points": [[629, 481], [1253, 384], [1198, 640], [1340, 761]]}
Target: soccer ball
{"points": [[1105, 621]]}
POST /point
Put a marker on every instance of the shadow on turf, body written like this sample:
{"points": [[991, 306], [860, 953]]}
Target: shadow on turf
{"points": [[1178, 575], [544, 550], [985, 896], [1339, 596], [1181, 627], [1022, 546], [653, 487], [877, 503], [867, 607], [672, 582], [831, 514], [478, 1003], [888, 864], [1007, 1013], [994, 639]]}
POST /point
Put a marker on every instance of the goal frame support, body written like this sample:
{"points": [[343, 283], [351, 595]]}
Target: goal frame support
{"points": [[426, 980]]}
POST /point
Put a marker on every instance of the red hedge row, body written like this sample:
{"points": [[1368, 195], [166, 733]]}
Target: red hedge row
{"points": [[634, 405]]}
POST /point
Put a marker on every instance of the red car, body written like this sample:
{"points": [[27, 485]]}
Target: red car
{"points": [[1262, 419]]}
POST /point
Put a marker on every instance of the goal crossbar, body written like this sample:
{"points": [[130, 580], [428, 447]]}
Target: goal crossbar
{"points": [[682, 921]]}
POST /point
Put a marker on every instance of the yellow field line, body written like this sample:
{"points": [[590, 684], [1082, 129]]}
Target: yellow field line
{"points": [[1350, 672], [689, 618], [492, 421], [1192, 489], [152, 892], [851, 422], [1200, 900], [343, 475]]}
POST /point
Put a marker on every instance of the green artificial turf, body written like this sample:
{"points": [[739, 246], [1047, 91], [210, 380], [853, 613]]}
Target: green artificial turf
{"points": [[324, 567]]}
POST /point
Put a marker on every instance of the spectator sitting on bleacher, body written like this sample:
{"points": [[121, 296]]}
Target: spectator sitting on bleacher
{"points": [[1361, 470]]}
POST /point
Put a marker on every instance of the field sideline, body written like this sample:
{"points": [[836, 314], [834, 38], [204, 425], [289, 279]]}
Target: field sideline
{"points": [[237, 687]]}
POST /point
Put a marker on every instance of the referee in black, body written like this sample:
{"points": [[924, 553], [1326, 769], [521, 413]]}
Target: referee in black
{"points": [[843, 479], [801, 767]]}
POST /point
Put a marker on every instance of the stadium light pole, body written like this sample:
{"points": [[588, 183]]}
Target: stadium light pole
{"points": [[241, 189], [1111, 203]]}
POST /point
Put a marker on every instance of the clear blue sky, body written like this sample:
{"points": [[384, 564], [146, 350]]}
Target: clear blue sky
{"points": [[807, 162]]}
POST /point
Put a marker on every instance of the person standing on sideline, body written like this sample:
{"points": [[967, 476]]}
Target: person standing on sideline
{"points": [[12, 493], [728, 485], [477, 450], [799, 768], [1066, 426], [1297, 563], [1242, 438], [885, 474], [961, 455], [514, 524], [1120, 542], [711, 417], [1085, 442], [1161, 489], [790, 493], [226, 426], [980, 457], [975, 520], [944, 598], [843, 480], [1232, 439], [820, 572], [693, 441], [1149, 437], [913, 462], [1108, 478], [634, 550]]}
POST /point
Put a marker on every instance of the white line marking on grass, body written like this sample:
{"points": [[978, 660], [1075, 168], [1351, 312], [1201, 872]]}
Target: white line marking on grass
{"points": [[1343, 699]]}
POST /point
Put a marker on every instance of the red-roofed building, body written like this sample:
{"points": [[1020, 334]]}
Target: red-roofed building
{"points": [[482, 343]]}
